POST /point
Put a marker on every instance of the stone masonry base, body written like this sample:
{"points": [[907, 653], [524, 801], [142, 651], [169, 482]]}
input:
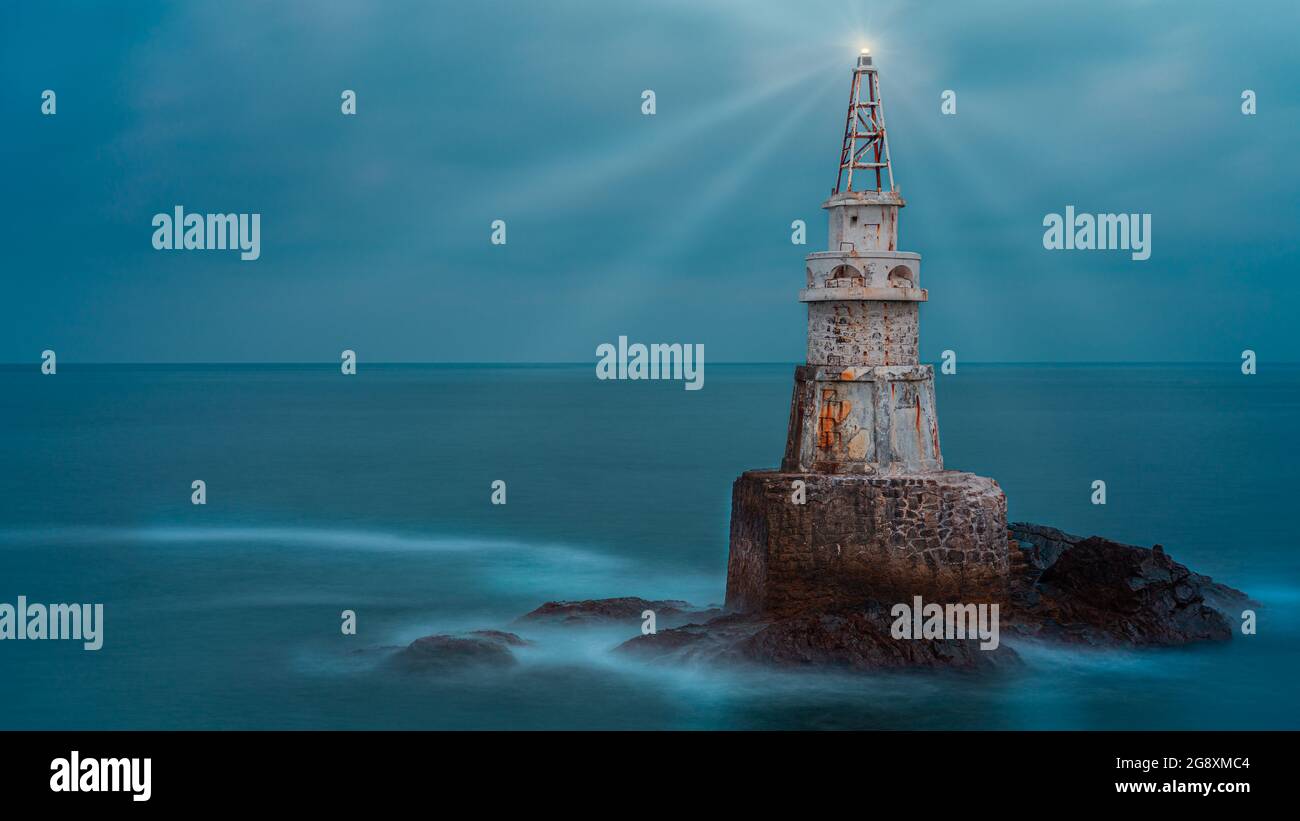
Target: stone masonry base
{"points": [[940, 535]]}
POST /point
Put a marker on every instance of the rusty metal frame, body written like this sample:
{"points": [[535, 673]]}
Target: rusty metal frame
{"points": [[866, 123]]}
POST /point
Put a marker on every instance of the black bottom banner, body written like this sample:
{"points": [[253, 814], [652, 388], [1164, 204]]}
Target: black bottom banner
{"points": [[331, 770]]}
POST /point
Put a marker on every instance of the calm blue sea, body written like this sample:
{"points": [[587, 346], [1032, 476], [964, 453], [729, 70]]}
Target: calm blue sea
{"points": [[372, 492]]}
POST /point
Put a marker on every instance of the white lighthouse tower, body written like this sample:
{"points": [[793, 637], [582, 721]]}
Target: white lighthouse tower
{"points": [[863, 403], [862, 508]]}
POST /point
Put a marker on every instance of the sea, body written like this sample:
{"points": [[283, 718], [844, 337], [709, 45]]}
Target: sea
{"points": [[373, 493]]}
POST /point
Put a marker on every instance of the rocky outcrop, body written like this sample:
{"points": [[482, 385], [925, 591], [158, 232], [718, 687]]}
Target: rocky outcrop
{"points": [[1042, 544], [1101, 592], [480, 648], [1062, 588], [858, 641], [1065, 588], [668, 612]]}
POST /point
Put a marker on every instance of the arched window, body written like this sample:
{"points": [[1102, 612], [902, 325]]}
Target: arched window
{"points": [[846, 272], [900, 276]]}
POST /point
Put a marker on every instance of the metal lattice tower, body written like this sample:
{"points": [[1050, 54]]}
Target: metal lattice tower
{"points": [[866, 147]]}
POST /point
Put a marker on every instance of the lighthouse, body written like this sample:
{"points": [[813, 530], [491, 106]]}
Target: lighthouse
{"points": [[862, 508], [863, 402]]}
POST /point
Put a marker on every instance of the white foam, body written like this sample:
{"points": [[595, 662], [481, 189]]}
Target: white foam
{"points": [[334, 538]]}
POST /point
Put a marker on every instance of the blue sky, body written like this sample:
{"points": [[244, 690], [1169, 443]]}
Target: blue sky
{"points": [[671, 228]]}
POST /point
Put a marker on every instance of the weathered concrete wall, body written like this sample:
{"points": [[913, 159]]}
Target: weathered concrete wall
{"points": [[863, 404], [878, 420], [863, 333], [942, 536], [880, 269], [863, 221]]}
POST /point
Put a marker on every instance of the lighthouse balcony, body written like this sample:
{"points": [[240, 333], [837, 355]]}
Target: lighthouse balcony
{"points": [[869, 275]]}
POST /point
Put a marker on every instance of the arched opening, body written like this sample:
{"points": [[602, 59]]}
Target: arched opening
{"points": [[900, 276], [844, 275]]}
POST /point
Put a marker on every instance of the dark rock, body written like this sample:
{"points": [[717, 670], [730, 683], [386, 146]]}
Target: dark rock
{"points": [[1045, 543], [482, 648], [856, 640], [670, 612], [1101, 592], [501, 637], [861, 641], [1064, 588], [712, 641], [1228, 600]]}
